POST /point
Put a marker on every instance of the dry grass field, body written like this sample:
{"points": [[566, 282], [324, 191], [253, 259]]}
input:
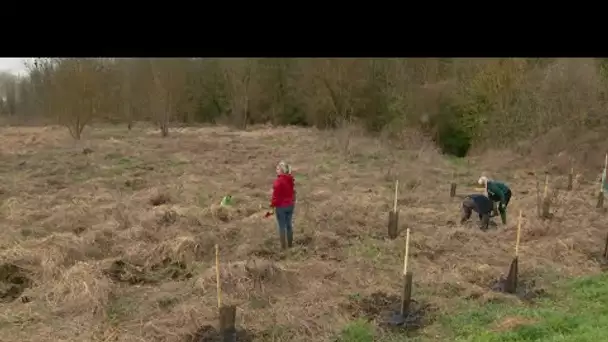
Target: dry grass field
{"points": [[117, 243]]}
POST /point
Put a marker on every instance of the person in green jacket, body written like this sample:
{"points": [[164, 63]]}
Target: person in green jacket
{"points": [[497, 192]]}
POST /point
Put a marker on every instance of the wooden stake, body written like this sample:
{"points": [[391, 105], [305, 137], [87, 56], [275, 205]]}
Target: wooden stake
{"points": [[539, 200], [393, 224], [228, 323], [570, 179], [511, 281], [407, 294], [407, 251], [546, 204], [517, 237], [603, 173], [393, 216], [606, 249], [227, 313], [217, 276], [605, 168], [396, 193], [600, 195], [406, 297], [453, 185]]}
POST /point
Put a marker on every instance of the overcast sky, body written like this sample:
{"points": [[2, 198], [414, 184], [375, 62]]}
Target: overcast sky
{"points": [[13, 65]]}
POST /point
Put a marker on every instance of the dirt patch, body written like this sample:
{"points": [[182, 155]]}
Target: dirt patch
{"points": [[346, 232], [173, 270], [160, 199], [122, 271], [383, 235], [268, 253], [431, 255], [328, 247], [419, 316], [330, 257], [371, 306], [342, 206], [260, 301], [303, 241], [78, 230], [526, 289], [253, 277], [56, 183], [135, 183], [599, 258], [13, 281], [512, 322], [168, 218], [208, 333], [261, 270], [383, 308], [269, 249]]}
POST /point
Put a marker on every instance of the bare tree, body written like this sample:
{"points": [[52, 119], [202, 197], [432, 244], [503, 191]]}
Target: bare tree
{"points": [[238, 77], [213, 95], [275, 96], [10, 88], [74, 91], [329, 88], [40, 71], [168, 76], [126, 94]]}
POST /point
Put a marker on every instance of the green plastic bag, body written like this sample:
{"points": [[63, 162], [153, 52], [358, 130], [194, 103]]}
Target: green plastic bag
{"points": [[226, 201]]}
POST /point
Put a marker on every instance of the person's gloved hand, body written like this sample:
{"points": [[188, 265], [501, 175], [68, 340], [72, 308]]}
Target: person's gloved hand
{"points": [[268, 214]]}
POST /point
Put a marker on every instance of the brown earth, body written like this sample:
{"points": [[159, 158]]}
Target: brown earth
{"points": [[117, 244]]}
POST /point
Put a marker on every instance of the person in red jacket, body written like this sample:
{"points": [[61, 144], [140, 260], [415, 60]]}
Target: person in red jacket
{"points": [[283, 202]]}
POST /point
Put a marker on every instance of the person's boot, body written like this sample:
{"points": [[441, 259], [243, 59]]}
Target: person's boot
{"points": [[289, 240], [503, 215], [485, 222], [283, 240]]}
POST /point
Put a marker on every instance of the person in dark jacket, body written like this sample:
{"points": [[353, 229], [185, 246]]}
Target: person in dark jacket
{"points": [[497, 192], [480, 204], [283, 202]]}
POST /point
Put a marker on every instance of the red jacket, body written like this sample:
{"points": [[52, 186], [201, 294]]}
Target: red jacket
{"points": [[283, 193]]}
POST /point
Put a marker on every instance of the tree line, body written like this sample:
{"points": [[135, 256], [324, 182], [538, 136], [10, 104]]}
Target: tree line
{"points": [[458, 102]]}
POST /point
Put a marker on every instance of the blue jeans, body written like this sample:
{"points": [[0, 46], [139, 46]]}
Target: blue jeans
{"points": [[284, 219]]}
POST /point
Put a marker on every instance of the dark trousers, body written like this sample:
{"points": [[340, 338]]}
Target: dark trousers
{"points": [[285, 224], [468, 206], [507, 199]]}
